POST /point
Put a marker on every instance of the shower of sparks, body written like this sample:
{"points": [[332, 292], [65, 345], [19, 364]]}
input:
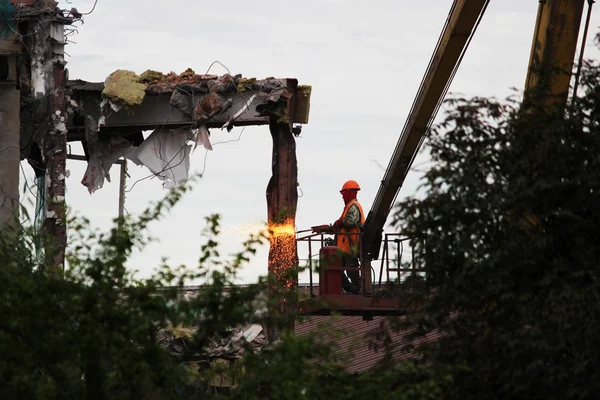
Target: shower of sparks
{"points": [[283, 255]]}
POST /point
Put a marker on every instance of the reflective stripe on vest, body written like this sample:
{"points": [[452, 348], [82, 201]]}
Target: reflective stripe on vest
{"points": [[347, 238]]}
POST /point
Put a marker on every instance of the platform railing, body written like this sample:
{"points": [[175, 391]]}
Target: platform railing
{"points": [[313, 241], [397, 257]]}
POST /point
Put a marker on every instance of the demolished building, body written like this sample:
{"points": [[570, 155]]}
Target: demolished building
{"points": [[109, 118], [42, 110]]}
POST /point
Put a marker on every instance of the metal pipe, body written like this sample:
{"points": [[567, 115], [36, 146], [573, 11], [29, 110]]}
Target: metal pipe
{"points": [[387, 261], [122, 182], [399, 254], [580, 62], [412, 252], [310, 267], [122, 188], [78, 157], [381, 267]]}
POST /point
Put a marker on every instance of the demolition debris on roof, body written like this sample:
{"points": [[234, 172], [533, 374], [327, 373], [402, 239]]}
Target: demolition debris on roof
{"points": [[150, 76], [124, 87], [191, 82], [231, 344], [127, 88]]}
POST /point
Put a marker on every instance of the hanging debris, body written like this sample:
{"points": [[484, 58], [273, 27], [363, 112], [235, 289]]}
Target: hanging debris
{"points": [[104, 154], [167, 155], [203, 137]]}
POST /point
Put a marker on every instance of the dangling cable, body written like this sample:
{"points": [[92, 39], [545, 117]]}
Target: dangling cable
{"points": [[581, 52]]}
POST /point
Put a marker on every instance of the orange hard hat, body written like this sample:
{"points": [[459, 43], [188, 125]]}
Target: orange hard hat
{"points": [[350, 185]]}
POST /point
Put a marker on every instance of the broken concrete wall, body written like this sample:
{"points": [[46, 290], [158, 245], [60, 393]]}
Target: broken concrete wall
{"points": [[44, 132], [55, 151], [48, 93]]}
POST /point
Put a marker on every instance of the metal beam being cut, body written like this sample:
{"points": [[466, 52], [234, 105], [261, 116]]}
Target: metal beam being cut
{"points": [[177, 107]]}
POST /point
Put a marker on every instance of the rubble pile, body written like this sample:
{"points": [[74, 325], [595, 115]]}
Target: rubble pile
{"points": [[220, 354], [230, 346]]}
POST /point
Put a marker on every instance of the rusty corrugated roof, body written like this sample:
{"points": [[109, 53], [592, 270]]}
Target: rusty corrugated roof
{"points": [[359, 336], [362, 357], [357, 340]]}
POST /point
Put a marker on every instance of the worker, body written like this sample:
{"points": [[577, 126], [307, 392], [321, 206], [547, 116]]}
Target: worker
{"points": [[347, 235]]}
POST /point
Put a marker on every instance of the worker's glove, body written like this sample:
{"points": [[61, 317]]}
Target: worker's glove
{"points": [[337, 224]]}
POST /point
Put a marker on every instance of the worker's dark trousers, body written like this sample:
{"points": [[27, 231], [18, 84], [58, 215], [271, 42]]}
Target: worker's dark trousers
{"points": [[350, 279]]}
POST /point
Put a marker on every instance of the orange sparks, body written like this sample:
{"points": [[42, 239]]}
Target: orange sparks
{"points": [[277, 230], [283, 254]]}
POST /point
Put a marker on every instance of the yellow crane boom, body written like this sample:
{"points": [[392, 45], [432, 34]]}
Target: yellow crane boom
{"points": [[462, 22], [553, 48]]}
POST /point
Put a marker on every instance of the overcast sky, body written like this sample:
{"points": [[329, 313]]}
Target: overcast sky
{"points": [[363, 59]]}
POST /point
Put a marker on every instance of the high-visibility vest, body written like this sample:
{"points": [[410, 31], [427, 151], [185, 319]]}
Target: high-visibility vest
{"points": [[347, 238]]}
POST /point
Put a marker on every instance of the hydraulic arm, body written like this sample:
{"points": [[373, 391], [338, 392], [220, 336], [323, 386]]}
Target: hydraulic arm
{"points": [[460, 26], [553, 47]]}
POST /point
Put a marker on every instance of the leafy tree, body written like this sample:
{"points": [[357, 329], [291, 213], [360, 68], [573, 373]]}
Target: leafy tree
{"points": [[92, 334], [508, 233], [95, 332]]}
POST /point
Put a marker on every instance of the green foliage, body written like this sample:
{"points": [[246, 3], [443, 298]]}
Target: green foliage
{"points": [[291, 371], [95, 331], [92, 334], [508, 233]]}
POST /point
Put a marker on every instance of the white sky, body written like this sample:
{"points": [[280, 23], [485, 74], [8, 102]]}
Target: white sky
{"points": [[364, 61]]}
